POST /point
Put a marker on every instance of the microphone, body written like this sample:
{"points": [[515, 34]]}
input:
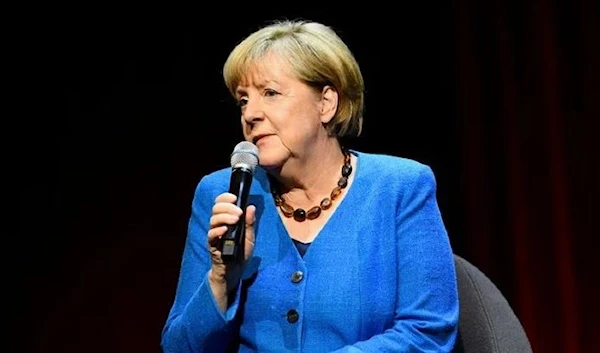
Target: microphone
{"points": [[244, 159]]}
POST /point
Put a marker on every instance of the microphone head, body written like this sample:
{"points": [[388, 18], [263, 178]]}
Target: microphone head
{"points": [[244, 155]]}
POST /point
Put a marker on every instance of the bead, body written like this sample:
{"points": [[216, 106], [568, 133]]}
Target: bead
{"points": [[336, 192], [287, 210], [326, 203], [346, 170], [313, 212], [299, 215]]}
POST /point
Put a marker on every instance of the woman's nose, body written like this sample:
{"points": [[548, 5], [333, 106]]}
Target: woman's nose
{"points": [[253, 112]]}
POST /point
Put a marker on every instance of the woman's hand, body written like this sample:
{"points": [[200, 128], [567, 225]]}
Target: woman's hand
{"points": [[224, 214]]}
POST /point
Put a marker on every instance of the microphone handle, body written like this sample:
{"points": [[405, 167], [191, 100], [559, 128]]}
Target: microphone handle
{"points": [[232, 242]]}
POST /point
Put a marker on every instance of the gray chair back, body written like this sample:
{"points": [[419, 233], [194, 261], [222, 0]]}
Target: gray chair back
{"points": [[487, 323]]}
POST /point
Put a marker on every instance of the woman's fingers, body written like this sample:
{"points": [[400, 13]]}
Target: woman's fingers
{"points": [[250, 215], [224, 214], [220, 219], [224, 211], [215, 233], [226, 197]]}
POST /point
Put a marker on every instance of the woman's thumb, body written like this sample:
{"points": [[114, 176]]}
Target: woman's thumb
{"points": [[250, 216]]}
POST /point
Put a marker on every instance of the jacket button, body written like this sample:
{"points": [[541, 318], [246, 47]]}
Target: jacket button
{"points": [[292, 316], [297, 276]]}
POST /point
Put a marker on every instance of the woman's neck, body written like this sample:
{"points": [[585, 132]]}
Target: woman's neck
{"points": [[308, 178]]}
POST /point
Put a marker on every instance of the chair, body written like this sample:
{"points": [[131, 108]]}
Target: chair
{"points": [[487, 322]]}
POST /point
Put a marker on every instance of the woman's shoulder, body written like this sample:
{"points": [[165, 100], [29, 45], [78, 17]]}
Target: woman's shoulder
{"points": [[395, 173], [215, 178], [220, 179], [387, 164]]}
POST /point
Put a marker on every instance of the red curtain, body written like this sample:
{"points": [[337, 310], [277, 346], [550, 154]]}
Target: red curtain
{"points": [[528, 103]]}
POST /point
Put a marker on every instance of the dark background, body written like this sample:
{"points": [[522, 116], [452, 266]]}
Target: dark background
{"points": [[126, 110]]}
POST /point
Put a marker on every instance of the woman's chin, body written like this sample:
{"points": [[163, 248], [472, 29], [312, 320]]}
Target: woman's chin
{"points": [[272, 159], [269, 166]]}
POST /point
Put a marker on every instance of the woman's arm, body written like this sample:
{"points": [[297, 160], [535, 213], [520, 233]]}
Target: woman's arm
{"points": [[426, 318], [196, 323]]}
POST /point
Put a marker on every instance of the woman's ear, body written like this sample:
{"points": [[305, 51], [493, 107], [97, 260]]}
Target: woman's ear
{"points": [[329, 104]]}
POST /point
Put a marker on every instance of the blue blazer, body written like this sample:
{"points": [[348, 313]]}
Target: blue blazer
{"points": [[379, 277]]}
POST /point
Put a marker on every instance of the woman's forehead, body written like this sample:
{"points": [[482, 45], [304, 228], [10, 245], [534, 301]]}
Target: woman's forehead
{"points": [[263, 70]]}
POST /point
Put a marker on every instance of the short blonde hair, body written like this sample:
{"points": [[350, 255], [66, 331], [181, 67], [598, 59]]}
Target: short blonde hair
{"points": [[316, 55]]}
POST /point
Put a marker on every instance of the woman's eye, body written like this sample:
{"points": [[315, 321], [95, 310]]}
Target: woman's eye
{"points": [[270, 93], [242, 102]]}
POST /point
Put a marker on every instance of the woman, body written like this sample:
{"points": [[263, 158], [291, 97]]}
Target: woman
{"points": [[345, 251]]}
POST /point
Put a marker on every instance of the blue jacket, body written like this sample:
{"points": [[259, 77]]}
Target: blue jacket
{"points": [[379, 277]]}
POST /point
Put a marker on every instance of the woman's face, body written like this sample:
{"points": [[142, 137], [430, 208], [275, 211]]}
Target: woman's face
{"points": [[282, 115]]}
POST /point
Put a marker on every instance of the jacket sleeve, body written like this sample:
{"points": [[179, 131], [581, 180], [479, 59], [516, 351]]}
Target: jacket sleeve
{"points": [[426, 316], [195, 322]]}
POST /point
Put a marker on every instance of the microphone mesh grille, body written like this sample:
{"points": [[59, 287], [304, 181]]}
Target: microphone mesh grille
{"points": [[245, 153]]}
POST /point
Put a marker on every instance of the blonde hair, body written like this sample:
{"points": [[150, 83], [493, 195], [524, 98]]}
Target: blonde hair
{"points": [[316, 55]]}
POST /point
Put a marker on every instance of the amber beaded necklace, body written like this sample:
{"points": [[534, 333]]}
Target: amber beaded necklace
{"points": [[300, 214]]}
